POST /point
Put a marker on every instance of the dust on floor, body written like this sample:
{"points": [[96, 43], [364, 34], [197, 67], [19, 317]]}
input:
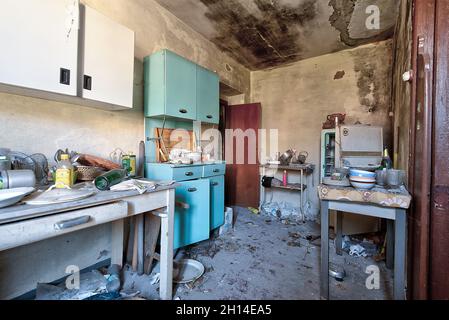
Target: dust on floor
{"points": [[264, 258]]}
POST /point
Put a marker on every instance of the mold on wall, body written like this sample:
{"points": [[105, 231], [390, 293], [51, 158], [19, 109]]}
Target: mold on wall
{"points": [[32, 125], [297, 98]]}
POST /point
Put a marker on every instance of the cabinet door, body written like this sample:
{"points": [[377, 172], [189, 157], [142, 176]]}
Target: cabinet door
{"points": [[107, 59], [180, 87], [217, 202], [192, 225], [39, 44], [208, 96]]}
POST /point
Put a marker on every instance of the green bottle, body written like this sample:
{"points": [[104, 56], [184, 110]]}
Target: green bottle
{"points": [[109, 179], [386, 161]]}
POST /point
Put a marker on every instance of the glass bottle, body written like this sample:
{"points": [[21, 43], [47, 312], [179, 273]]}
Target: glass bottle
{"points": [[386, 162], [110, 178]]}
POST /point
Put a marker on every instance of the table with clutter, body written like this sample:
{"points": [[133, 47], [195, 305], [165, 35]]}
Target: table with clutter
{"points": [[378, 201], [53, 227]]}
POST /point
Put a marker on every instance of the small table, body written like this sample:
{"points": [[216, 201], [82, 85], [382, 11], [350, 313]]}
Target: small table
{"points": [[378, 202]]}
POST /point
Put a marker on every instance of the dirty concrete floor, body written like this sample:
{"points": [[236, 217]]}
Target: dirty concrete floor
{"points": [[266, 259]]}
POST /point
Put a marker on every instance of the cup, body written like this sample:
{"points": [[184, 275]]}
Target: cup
{"points": [[395, 178], [381, 177]]}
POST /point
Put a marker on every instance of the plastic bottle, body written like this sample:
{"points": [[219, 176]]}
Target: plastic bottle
{"points": [[64, 173]]}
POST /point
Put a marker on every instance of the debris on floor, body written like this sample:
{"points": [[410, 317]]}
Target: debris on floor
{"points": [[282, 210]]}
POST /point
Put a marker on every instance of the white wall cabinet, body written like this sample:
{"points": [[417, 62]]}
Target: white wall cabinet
{"points": [[61, 50], [107, 59], [39, 44]]}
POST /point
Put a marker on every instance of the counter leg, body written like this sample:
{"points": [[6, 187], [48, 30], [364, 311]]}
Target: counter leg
{"points": [[117, 243], [324, 289], [400, 254], [166, 263], [390, 244], [339, 235]]}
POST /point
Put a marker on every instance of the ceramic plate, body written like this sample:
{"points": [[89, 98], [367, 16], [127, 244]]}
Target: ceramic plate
{"points": [[187, 270], [9, 197]]}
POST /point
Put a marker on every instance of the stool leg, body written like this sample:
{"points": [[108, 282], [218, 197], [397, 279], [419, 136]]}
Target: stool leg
{"points": [[339, 236], [399, 254], [324, 250]]}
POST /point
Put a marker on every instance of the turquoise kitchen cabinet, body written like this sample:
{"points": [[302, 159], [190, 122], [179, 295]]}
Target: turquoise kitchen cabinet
{"points": [[208, 96], [217, 206], [192, 224], [170, 86], [201, 186]]}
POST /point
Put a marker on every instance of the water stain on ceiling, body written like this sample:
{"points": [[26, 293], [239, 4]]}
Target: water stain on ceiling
{"points": [[262, 34]]}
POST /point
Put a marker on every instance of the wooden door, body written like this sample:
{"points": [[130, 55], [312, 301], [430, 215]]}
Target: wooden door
{"points": [[242, 179], [420, 148], [439, 214], [429, 165]]}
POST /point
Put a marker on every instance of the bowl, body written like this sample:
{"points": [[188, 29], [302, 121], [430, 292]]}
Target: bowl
{"points": [[360, 179], [362, 185], [362, 174]]}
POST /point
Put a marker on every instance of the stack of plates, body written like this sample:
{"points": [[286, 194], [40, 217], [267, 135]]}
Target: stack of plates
{"points": [[362, 179]]}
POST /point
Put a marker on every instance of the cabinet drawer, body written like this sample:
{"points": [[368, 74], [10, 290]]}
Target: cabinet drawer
{"points": [[188, 173], [26, 232], [214, 170]]}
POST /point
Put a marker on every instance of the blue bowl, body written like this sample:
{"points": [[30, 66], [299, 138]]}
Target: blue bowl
{"points": [[362, 174]]}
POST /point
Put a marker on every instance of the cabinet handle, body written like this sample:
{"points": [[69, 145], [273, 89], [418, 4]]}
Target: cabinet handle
{"points": [[62, 225], [189, 174], [209, 117], [214, 184], [64, 76], [192, 189], [87, 82], [216, 170], [183, 110]]}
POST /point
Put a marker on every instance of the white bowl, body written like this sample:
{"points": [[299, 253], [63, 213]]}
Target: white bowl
{"points": [[362, 185], [362, 180]]}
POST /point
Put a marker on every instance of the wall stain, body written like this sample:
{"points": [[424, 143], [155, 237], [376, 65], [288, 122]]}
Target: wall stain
{"points": [[260, 41], [339, 75], [373, 89]]}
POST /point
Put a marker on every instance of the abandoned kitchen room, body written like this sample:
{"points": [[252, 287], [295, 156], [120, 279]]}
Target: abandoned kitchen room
{"points": [[255, 150]]}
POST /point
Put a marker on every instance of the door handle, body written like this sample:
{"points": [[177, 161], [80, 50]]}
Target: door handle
{"points": [[67, 224], [87, 82], [209, 117], [189, 174], [192, 189], [183, 111], [216, 170], [64, 76], [214, 184]]}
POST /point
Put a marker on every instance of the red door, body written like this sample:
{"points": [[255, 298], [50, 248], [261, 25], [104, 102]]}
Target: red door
{"points": [[242, 176]]}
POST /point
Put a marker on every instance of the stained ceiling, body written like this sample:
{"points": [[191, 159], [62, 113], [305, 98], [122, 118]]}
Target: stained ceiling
{"points": [[262, 34]]}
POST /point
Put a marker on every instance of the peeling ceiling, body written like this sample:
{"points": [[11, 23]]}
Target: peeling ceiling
{"points": [[263, 34]]}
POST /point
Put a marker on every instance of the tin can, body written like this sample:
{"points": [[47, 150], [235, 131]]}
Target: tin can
{"points": [[129, 164]]}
